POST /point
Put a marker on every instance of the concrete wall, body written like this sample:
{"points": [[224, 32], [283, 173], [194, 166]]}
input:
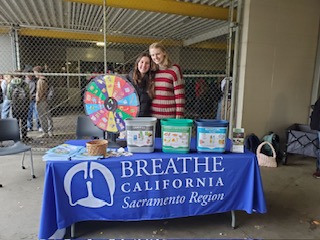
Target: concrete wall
{"points": [[278, 52], [6, 53]]}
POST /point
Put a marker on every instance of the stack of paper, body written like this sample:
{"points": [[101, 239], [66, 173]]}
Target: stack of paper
{"points": [[62, 152], [66, 152]]}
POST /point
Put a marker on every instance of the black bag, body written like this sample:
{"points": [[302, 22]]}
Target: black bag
{"points": [[315, 116], [251, 142]]}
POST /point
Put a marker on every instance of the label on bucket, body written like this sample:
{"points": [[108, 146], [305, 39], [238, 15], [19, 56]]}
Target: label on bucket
{"points": [[139, 136], [176, 137], [212, 138]]}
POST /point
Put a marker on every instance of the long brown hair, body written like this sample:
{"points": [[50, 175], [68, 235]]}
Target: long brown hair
{"points": [[148, 77]]}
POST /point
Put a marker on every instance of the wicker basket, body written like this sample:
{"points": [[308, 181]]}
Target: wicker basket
{"points": [[97, 147], [264, 160]]}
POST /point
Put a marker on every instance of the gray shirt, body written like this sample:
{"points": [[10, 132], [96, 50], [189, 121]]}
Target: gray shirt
{"points": [[32, 87]]}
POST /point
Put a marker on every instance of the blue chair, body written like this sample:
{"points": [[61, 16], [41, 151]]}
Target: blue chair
{"points": [[87, 129], [9, 131]]}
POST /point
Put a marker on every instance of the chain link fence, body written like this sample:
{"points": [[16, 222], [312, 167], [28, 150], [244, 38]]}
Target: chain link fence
{"points": [[71, 64]]}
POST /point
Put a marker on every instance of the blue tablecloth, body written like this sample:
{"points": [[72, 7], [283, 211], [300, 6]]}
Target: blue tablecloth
{"points": [[149, 186]]}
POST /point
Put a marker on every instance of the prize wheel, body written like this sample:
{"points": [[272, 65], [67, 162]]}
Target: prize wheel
{"points": [[109, 100]]}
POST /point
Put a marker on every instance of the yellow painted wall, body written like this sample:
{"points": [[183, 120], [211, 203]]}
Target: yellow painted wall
{"points": [[278, 51]]}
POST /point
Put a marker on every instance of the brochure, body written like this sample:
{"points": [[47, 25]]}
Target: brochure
{"points": [[64, 150], [238, 140], [67, 152], [61, 152]]}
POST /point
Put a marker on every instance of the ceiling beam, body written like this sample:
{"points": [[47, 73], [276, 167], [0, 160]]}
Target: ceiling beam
{"points": [[81, 36], [165, 6], [4, 30], [97, 37], [222, 30]]}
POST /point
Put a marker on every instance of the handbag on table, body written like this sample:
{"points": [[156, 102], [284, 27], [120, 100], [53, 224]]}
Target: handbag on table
{"points": [[265, 160]]}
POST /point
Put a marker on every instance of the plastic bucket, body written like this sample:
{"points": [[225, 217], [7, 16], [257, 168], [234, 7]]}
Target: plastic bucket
{"points": [[211, 135], [176, 135], [140, 134]]}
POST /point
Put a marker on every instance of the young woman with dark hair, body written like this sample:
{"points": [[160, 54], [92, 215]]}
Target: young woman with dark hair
{"points": [[142, 78]]}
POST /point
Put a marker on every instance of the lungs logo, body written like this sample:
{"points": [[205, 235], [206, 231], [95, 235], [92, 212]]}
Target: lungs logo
{"points": [[90, 200]]}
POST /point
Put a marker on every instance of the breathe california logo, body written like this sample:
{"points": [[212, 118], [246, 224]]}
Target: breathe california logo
{"points": [[87, 168], [195, 174]]}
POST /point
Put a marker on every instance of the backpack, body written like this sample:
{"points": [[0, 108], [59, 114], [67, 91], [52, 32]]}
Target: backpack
{"points": [[251, 142], [274, 139], [19, 92], [315, 116]]}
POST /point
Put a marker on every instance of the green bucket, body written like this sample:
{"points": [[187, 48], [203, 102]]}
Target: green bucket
{"points": [[176, 135]]}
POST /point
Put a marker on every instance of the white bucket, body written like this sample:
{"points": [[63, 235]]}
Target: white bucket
{"points": [[140, 134]]}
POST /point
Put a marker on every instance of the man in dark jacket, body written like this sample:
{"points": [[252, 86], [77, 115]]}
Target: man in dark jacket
{"points": [[315, 125], [18, 92], [31, 81]]}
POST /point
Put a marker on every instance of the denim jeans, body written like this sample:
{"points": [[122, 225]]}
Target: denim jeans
{"points": [[32, 112], [6, 109]]}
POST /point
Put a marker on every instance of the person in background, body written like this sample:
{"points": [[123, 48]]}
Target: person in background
{"points": [[6, 111], [142, 78], [201, 88], [42, 104], [315, 125], [1, 95], [19, 94], [31, 81], [225, 93], [169, 87]]}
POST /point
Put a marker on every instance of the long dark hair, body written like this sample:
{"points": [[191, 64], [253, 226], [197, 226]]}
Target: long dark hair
{"points": [[148, 77]]}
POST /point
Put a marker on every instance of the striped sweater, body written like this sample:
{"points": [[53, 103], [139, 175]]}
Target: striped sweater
{"points": [[169, 93]]}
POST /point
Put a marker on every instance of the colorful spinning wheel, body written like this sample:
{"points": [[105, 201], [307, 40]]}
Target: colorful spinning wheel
{"points": [[109, 100]]}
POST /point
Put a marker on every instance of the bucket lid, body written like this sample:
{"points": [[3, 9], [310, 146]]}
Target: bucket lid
{"points": [[141, 119], [212, 122], [176, 122]]}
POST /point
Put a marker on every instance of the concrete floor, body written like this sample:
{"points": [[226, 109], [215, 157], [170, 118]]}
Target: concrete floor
{"points": [[292, 196]]}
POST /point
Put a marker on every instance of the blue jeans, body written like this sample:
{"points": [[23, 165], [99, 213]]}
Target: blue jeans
{"points": [[6, 109], [32, 112]]}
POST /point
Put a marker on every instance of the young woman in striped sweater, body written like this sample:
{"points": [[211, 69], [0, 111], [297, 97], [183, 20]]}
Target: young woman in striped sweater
{"points": [[169, 86]]}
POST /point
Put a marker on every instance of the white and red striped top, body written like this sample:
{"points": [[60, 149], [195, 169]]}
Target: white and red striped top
{"points": [[169, 93]]}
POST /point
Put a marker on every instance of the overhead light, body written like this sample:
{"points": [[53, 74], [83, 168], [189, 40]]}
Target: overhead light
{"points": [[100, 44]]}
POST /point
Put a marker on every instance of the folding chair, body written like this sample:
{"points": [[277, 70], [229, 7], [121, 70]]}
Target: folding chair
{"points": [[9, 130], [86, 128]]}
